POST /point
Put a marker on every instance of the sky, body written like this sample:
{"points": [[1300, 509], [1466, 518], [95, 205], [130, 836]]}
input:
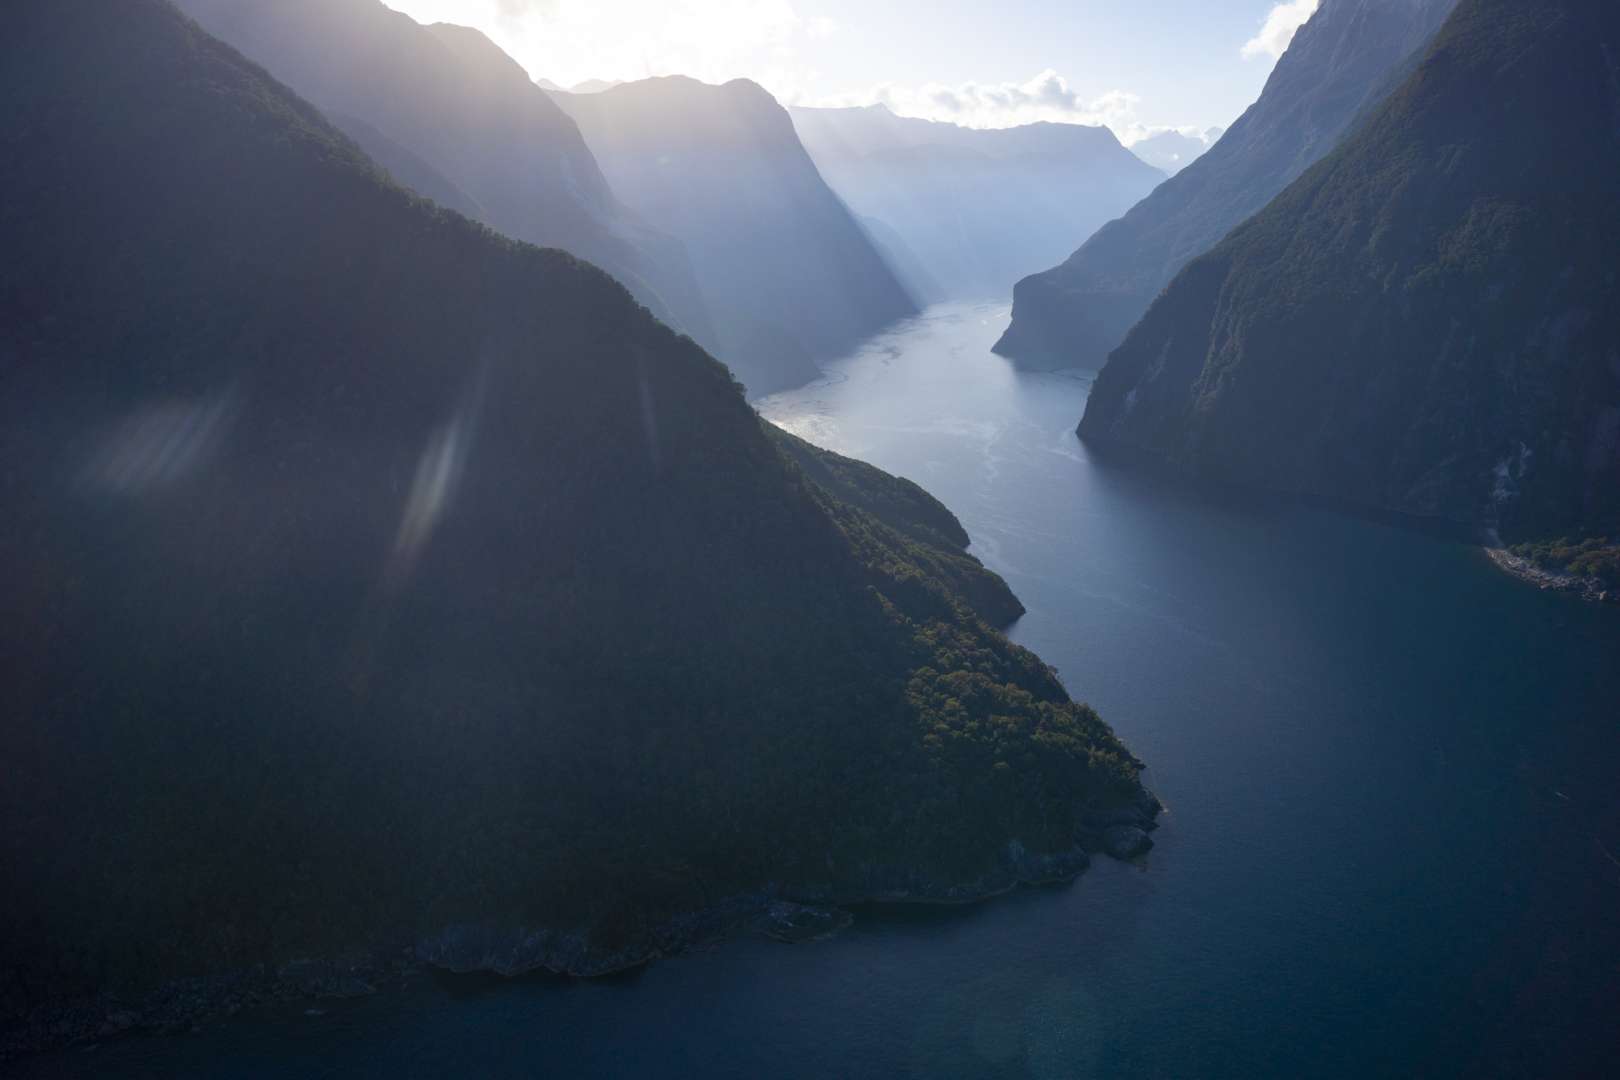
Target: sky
{"points": [[1139, 66]]}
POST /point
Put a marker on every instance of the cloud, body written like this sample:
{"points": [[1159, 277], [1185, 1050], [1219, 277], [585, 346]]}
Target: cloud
{"points": [[1279, 28], [1047, 96]]}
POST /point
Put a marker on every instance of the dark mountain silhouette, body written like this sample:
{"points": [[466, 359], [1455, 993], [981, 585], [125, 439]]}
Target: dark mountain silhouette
{"points": [[465, 114], [789, 276], [1425, 322], [1339, 63], [980, 209], [368, 573]]}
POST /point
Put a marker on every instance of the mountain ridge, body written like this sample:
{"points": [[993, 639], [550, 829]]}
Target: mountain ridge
{"points": [[1424, 321], [460, 105], [789, 276], [376, 575], [1339, 61], [980, 208]]}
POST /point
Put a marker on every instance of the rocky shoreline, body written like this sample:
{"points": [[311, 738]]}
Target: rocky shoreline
{"points": [[1588, 588], [793, 914]]}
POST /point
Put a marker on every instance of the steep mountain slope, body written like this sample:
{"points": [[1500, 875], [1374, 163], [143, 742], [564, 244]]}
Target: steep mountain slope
{"points": [[789, 276], [1427, 321], [459, 111], [407, 168], [370, 574], [980, 209], [1338, 64]]}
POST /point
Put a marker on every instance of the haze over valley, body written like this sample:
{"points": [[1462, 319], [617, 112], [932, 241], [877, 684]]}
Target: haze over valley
{"points": [[808, 538]]}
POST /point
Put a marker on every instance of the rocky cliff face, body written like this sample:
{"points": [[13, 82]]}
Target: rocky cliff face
{"points": [[453, 117], [1339, 63], [788, 275], [1426, 321], [978, 209]]}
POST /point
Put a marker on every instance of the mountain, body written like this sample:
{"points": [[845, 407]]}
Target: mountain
{"points": [[408, 169], [979, 208], [445, 110], [1426, 321], [1172, 151], [1339, 63], [373, 579], [789, 277]]}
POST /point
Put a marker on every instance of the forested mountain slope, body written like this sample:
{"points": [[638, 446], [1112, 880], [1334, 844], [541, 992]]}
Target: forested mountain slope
{"points": [[1338, 64], [1427, 321], [369, 573]]}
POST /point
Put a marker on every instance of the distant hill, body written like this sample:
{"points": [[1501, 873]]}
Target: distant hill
{"points": [[442, 107], [789, 277], [1427, 320], [1339, 63], [980, 209], [370, 575], [1172, 151]]}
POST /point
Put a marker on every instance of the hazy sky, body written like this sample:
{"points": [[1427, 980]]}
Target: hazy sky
{"points": [[1138, 65]]}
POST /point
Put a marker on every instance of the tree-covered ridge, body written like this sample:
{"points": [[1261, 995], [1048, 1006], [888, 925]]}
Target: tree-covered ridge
{"points": [[1339, 64], [896, 501], [1597, 558], [927, 537], [371, 573], [1425, 322]]}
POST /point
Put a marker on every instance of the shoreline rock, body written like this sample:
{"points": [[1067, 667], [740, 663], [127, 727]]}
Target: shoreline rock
{"points": [[1589, 589], [792, 914]]}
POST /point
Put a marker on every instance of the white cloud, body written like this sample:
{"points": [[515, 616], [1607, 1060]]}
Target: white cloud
{"points": [[1047, 96], [1279, 28]]}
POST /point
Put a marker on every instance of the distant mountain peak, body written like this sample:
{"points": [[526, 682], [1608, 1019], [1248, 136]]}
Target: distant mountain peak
{"points": [[968, 211], [1339, 62]]}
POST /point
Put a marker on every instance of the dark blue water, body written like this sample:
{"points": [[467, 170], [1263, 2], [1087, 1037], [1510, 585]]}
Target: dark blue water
{"points": [[1391, 772]]}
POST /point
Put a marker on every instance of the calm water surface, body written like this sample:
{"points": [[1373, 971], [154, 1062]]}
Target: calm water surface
{"points": [[1393, 844]]}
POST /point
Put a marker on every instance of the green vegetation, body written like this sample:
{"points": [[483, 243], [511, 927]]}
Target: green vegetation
{"points": [[1597, 558], [1338, 64], [1423, 322], [645, 657], [927, 536]]}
